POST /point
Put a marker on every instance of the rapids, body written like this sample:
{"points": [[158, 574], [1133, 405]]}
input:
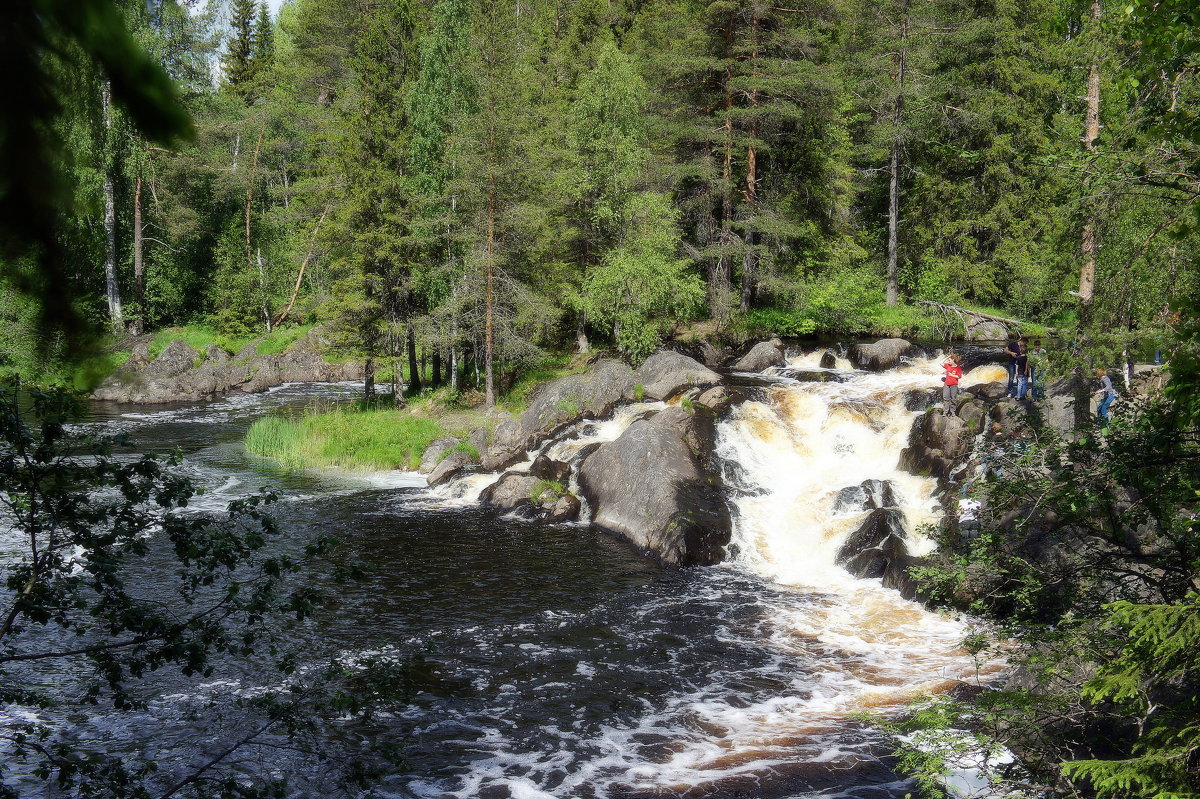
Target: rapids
{"points": [[568, 666]]}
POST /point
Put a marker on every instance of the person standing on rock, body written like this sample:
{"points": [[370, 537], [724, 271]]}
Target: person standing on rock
{"points": [[1013, 350], [1039, 362], [1023, 370], [953, 374], [1107, 395]]}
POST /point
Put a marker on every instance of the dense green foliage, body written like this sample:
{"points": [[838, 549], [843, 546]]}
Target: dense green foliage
{"points": [[474, 184]]}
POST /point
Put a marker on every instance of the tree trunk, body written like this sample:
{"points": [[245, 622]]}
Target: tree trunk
{"points": [[1091, 131], [111, 289], [893, 251], [414, 377], [489, 302], [312, 241], [249, 205], [138, 323], [369, 380], [750, 255]]}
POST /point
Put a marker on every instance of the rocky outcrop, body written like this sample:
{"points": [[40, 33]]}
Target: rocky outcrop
{"points": [[879, 356], [987, 391], [453, 465], [531, 496], [664, 374], [872, 547], [559, 403], [828, 360], [180, 374], [435, 452], [868, 495], [656, 488], [761, 357], [981, 329], [935, 444]]}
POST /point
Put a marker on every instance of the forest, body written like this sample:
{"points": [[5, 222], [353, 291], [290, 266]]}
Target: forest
{"points": [[477, 186]]}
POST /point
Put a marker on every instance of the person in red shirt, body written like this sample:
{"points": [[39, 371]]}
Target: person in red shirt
{"points": [[950, 390]]}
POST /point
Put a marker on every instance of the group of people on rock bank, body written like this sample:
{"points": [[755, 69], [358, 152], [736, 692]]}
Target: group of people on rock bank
{"points": [[1026, 377]]}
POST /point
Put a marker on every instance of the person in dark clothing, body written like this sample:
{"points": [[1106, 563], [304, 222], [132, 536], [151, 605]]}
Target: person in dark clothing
{"points": [[1023, 371], [1013, 350]]}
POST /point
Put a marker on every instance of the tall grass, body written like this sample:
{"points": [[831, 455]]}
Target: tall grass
{"points": [[349, 439]]}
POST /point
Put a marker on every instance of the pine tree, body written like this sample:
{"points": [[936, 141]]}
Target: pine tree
{"points": [[263, 44], [238, 61]]}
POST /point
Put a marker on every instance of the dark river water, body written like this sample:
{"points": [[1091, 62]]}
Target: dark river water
{"points": [[563, 663]]}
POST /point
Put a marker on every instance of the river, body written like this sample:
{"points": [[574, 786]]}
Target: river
{"points": [[568, 665]]}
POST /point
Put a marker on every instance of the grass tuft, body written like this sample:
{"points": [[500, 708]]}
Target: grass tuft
{"points": [[363, 440]]}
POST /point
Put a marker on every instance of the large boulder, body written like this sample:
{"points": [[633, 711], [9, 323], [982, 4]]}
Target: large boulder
{"points": [[656, 488], [511, 491], [451, 467], [879, 356], [664, 374], [761, 357], [981, 329], [435, 452], [869, 549], [987, 391], [559, 403], [935, 444], [828, 360], [868, 495]]}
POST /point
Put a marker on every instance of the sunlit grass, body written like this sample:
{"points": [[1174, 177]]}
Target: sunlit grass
{"points": [[348, 439], [200, 337]]}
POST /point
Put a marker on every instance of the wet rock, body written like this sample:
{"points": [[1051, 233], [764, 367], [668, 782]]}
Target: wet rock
{"points": [[451, 466], [897, 576], [812, 376], [761, 356], [869, 549], [719, 399], [657, 488], [880, 524], [511, 491], [868, 495], [880, 355], [566, 509], [664, 374], [918, 399], [434, 452], [828, 360], [935, 444], [547, 468], [559, 403], [987, 391]]}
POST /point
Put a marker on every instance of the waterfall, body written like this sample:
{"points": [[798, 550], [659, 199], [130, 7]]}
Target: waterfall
{"points": [[789, 455]]}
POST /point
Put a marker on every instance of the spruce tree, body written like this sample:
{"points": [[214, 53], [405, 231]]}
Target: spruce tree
{"points": [[238, 61]]}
